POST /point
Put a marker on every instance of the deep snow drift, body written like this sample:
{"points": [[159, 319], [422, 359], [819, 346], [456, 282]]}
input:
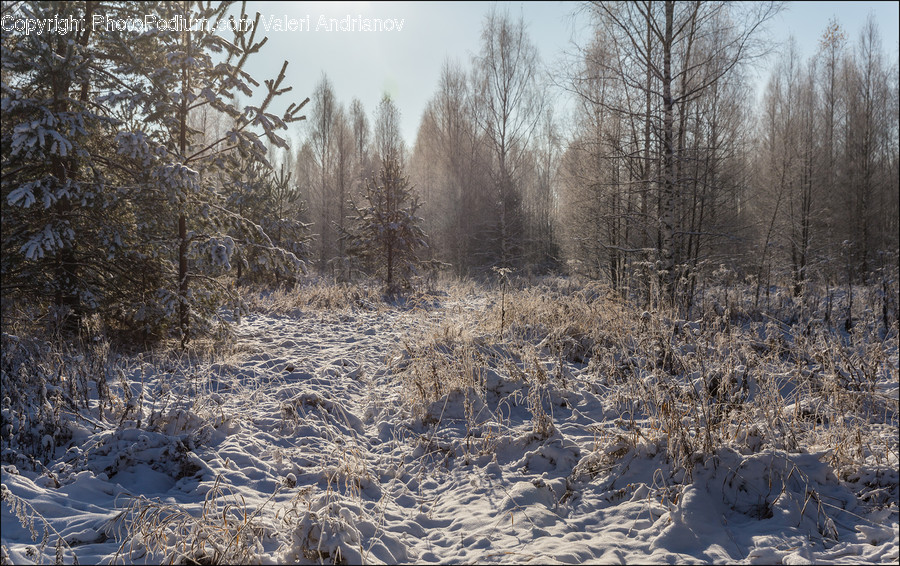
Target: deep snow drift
{"points": [[414, 433]]}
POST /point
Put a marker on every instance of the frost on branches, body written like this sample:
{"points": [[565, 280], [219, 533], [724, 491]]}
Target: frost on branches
{"points": [[115, 198]]}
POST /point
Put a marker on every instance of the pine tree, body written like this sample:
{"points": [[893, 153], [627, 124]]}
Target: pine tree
{"points": [[175, 75], [286, 223], [65, 221], [112, 201], [270, 200], [386, 231], [245, 194]]}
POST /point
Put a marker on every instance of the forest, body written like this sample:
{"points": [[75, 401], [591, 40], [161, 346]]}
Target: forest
{"points": [[246, 324]]}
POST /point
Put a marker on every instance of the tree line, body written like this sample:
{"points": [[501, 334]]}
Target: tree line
{"points": [[136, 186], [673, 169]]}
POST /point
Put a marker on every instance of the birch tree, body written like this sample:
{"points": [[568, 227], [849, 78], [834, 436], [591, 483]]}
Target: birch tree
{"points": [[508, 109]]}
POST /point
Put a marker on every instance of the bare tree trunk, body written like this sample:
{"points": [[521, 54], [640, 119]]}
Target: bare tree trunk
{"points": [[667, 214]]}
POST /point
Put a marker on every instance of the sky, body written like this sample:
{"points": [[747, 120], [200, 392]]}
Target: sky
{"points": [[406, 61]]}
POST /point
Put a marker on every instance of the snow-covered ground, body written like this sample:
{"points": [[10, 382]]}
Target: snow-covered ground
{"points": [[322, 438]]}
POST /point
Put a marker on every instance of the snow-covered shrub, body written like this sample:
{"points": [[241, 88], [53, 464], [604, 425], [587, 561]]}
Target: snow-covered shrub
{"points": [[45, 385], [34, 522], [795, 487], [329, 529], [224, 531]]}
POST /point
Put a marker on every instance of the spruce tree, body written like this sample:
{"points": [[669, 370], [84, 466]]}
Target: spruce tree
{"points": [[386, 231]]}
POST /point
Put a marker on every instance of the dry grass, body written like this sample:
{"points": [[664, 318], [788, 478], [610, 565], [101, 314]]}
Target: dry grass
{"points": [[749, 382], [365, 295], [733, 378], [28, 516], [319, 295], [225, 531]]}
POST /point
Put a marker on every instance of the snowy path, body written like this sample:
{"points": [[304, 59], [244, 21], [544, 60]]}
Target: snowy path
{"points": [[430, 508], [309, 428], [429, 496]]}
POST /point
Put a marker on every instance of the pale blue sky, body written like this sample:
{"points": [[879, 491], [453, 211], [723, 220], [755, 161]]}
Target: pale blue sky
{"points": [[407, 62]]}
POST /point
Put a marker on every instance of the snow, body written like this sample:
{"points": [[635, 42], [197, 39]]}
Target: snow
{"points": [[308, 434]]}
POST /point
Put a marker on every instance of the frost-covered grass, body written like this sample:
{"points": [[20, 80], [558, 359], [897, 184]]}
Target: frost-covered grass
{"points": [[539, 423]]}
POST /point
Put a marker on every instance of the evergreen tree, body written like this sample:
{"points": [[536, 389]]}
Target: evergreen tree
{"points": [[65, 223], [386, 231], [286, 223], [112, 202], [173, 76], [271, 201]]}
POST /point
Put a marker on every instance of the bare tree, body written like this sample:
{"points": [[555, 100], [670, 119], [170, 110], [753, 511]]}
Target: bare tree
{"points": [[867, 147], [539, 192], [361, 142], [448, 164], [791, 133], [389, 144], [322, 125], [666, 57], [607, 166], [509, 106], [344, 173], [360, 125]]}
